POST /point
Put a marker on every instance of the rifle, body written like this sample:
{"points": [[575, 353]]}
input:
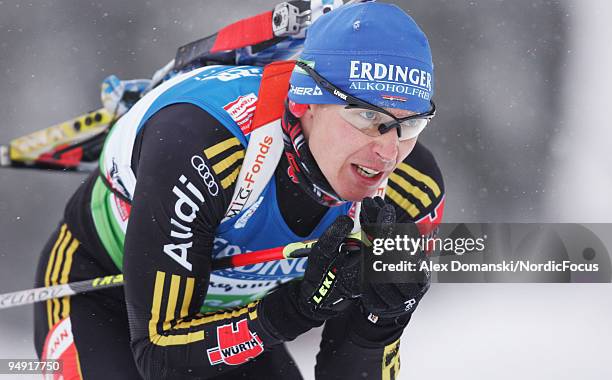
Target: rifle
{"points": [[76, 144]]}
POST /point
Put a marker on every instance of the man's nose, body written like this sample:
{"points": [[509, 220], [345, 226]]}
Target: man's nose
{"points": [[386, 146]]}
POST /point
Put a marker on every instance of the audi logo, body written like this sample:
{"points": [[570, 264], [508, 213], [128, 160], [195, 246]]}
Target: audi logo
{"points": [[200, 166]]}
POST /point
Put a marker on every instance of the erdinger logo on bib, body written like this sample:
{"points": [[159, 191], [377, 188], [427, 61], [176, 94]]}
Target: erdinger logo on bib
{"points": [[236, 345]]}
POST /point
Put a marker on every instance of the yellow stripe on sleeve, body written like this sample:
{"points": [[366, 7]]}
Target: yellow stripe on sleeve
{"points": [[48, 273], [427, 180], [253, 314], [65, 272], [222, 165], [52, 256], [402, 202], [220, 316], [391, 361], [156, 305], [55, 274], [411, 189], [227, 181], [221, 147], [187, 297], [68, 263], [60, 258], [175, 283], [177, 340], [162, 340]]}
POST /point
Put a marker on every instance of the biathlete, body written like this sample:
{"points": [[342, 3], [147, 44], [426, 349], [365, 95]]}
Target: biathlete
{"points": [[224, 160]]}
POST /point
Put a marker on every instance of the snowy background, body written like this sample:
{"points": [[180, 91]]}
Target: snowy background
{"points": [[522, 136]]}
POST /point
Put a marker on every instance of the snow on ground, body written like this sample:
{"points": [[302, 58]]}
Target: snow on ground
{"points": [[467, 331]]}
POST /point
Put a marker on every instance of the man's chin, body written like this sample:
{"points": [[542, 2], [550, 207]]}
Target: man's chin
{"points": [[354, 188], [357, 195]]}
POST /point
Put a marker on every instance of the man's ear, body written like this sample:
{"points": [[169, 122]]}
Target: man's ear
{"points": [[298, 110]]}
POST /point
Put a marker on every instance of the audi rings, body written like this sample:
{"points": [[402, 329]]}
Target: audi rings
{"points": [[203, 170]]}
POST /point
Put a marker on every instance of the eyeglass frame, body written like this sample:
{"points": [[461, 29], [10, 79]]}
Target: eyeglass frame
{"points": [[354, 102]]}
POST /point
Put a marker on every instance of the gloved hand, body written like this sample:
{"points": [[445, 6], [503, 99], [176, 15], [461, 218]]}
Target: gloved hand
{"points": [[389, 300], [331, 283], [332, 278]]}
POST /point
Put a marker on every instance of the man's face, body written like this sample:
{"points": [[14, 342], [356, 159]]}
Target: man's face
{"points": [[354, 164]]}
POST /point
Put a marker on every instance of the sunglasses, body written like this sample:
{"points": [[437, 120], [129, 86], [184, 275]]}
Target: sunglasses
{"points": [[368, 118]]}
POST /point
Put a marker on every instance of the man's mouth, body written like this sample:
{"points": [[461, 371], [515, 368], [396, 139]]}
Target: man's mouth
{"points": [[367, 172]]}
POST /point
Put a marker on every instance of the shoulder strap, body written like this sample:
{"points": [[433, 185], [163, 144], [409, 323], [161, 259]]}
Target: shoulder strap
{"points": [[265, 146]]}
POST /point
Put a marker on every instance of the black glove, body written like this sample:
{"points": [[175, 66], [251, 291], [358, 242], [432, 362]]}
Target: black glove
{"points": [[389, 300], [332, 278], [331, 283]]}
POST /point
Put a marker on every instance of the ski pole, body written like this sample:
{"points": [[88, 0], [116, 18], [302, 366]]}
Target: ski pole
{"points": [[29, 296]]}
